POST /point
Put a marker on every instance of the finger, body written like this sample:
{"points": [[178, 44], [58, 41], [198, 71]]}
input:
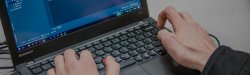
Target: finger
{"points": [[186, 16], [162, 18], [88, 61], [162, 33], [112, 67], [70, 56], [174, 17], [59, 64], [51, 72], [86, 56], [170, 42]]}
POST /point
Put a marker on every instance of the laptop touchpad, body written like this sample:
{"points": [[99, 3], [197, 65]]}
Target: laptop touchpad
{"points": [[159, 66], [134, 70]]}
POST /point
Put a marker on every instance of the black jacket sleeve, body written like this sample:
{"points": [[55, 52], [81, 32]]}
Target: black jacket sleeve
{"points": [[225, 61]]}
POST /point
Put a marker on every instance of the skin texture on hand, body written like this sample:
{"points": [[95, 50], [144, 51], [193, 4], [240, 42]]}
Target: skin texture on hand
{"points": [[189, 44], [70, 64]]}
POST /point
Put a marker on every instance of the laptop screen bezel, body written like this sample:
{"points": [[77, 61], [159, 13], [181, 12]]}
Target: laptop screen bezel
{"points": [[93, 31]]}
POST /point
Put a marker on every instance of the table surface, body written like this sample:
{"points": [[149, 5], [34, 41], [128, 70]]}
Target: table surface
{"points": [[227, 19]]}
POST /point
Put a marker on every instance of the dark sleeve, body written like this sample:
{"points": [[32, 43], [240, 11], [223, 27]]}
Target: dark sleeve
{"points": [[225, 61]]}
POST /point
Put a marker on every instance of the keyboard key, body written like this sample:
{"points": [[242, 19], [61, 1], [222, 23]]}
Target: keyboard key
{"points": [[100, 66], [108, 49], [138, 32], [154, 38], [139, 44], [126, 63], [141, 50], [124, 56], [96, 42], [51, 59], [149, 28], [147, 41], [116, 40], [130, 30], [131, 47], [37, 70], [138, 58], [46, 66], [155, 31], [98, 60], [145, 24], [108, 43], [124, 43], [110, 37], [124, 33], [136, 28], [149, 47], [148, 34], [157, 44], [124, 37], [88, 45], [103, 40], [52, 63], [131, 41], [34, 66], [99, 53], [131, 34], [133, 53], [160, 51], [116, 35], [118, 59], [152, 53], [157, 50], [81, 48], [99, 46], [123, 50], [163, 51], [145, 56], [115, 53], [116, 46], [92, 49], [140, 37], [44, 62]]}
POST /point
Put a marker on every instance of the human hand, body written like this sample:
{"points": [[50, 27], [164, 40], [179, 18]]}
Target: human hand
{"points": [[70, 65], [189, 44]]}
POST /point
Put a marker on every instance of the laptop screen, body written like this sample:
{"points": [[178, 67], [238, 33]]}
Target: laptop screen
{"points": [[36, 22]]}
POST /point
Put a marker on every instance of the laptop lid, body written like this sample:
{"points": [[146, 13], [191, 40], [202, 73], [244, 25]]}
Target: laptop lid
{"points": [[34, 28]]}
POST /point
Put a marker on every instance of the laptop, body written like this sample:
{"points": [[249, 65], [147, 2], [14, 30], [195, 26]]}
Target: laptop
{"points": [[38, 30]]}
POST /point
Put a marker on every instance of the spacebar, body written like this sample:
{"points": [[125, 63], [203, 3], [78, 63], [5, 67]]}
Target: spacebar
{"points": [[126, 63]]}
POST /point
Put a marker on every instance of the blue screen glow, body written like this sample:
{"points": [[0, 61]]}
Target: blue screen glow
{"points": [[36, 22]]}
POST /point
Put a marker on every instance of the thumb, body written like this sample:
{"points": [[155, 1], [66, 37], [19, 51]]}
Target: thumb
{"points": [[112, 67]]}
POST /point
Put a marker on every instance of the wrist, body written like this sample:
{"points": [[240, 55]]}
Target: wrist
{"points": [[204, 60]]}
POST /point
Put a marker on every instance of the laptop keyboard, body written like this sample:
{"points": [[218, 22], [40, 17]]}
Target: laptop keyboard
{"points": [[128, 47]]}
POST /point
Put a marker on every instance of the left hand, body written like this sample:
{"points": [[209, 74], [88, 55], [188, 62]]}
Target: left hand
{"points": [[70, 65]]}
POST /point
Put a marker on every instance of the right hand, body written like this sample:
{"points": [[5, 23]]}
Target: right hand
{"points": [[189, 44]]}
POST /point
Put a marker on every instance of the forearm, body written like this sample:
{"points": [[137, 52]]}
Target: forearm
{"points": [[225, 61]]}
